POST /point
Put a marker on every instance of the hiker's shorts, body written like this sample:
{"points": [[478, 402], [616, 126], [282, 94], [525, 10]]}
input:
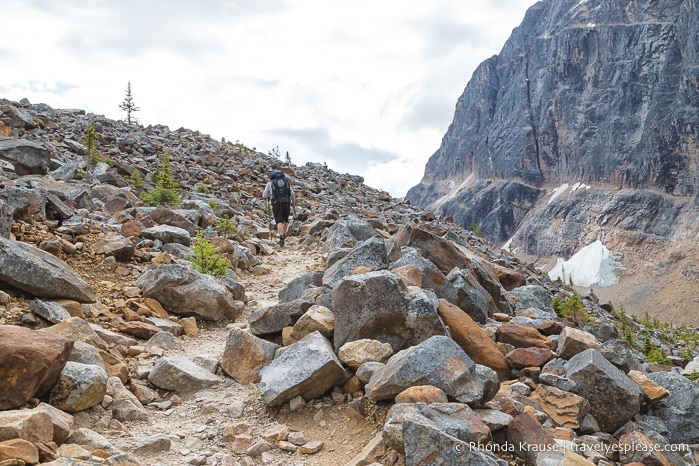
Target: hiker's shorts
{"points": [[281, 211]]}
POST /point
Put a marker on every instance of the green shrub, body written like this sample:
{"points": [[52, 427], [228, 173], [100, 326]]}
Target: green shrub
{"points": [[136, 180], [202, 189], [90, 142], [166, 190], [207, 259], [225, 227]]}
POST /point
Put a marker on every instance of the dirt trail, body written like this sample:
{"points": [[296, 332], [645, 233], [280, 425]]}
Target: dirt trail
{"points": [[194, 424]]}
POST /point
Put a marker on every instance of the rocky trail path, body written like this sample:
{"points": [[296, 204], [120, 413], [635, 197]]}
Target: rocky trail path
{"points": [[201, 424]]}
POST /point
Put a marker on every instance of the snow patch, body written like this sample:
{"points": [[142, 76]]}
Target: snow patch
{"points": [[557, 192], [592, 265]]}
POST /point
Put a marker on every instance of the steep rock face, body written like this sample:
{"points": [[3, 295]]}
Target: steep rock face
{"points": [[599, 95]]}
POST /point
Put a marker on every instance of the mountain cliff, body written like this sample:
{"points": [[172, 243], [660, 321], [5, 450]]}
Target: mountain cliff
{"points": [[583, 128]]}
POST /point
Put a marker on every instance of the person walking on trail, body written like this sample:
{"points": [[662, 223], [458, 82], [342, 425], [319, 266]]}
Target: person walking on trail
{"points": [[281, 195]]}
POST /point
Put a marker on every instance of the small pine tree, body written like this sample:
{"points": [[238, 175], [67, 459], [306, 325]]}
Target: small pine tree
{"points": [[136, 180], [166, 190], [129, 106], [93, 156], [274, 152], [288, 158], [208, 259]]}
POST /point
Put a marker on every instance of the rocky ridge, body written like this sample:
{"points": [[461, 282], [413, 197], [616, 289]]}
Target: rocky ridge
{"points": [[584, 128], [380, 334]]}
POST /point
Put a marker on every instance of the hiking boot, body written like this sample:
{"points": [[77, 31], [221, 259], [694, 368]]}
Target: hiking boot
{"points": [[281, 240]]}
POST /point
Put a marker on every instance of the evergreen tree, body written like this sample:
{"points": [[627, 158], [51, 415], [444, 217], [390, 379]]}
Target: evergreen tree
{"points": [[288, 158], [129, 106]]}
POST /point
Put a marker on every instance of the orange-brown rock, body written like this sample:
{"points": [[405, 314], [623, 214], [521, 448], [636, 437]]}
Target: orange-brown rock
{"points": [[422, 394], [138, 329], [156, 307], [520, 358], [509, 279], [522, 336], [653, 391], [410, 274], [636, 447], [565, 409], [473, 339], [353, 385], [30, 364], [360, 270], [525, 430], [18, 449]]}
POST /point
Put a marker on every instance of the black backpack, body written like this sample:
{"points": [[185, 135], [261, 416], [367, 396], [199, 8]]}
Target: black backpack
{"points": [[281, 189]]}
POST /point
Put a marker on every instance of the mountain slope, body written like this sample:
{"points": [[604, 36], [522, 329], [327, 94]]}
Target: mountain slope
{"points": [[583, 128]]}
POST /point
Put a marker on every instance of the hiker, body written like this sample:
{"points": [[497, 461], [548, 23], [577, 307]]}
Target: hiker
{"points": [[281, 195]]}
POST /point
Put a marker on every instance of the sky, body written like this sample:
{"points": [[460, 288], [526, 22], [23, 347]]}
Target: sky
{"points": [[367, 87]]}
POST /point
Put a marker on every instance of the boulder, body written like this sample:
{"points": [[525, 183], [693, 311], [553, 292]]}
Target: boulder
{"points": [[125, 406], [275, 318], [427, 442], [183, 291], [437, 361], [41, 274], [62, 421], [316, 318], [50, 311], [375, 253], [18, 450], [614, 398], [117, 246], [78, 329], [455, 419], [308, 368], [168, 234], [358, 352], [573, 341], [679, 410], [471, 296], [473, 339], [522, 336], [80, 386], [378, 306], [27, 157], [422, 394], [519, 358], [245, 355], [31, 363], [27, 424], [565, 409], [179, 374], [529, 437]]}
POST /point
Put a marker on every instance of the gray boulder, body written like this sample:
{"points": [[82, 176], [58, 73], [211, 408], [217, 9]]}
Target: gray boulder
{"points": [[273, 319], [168, 234], [679, 410], [295, 288], [117, 246], [455, 419], [49, 310], [80, 386], [27, 157], [614, 398], [307, 368], [179, 374], [426, 443], [472, 298], [186, 292], [534, 296], [437, 361], [375, 253], [378, 306], [39, 273]]}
